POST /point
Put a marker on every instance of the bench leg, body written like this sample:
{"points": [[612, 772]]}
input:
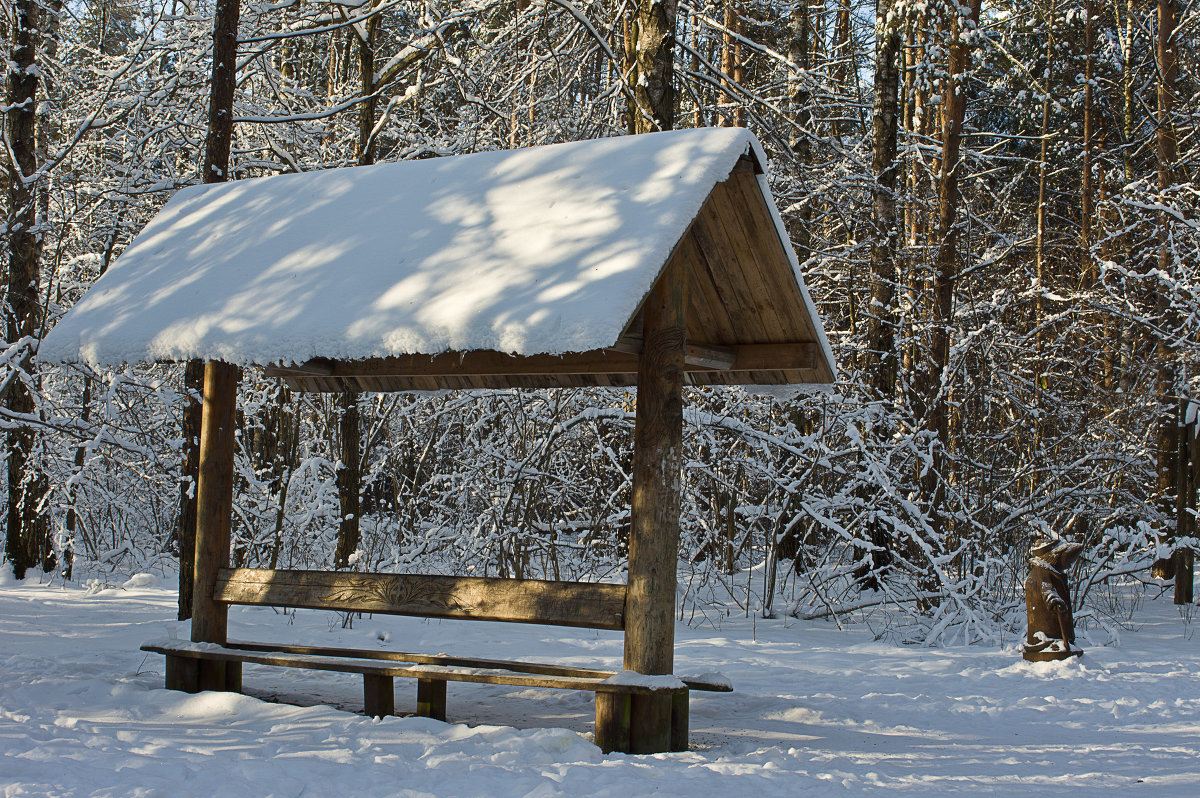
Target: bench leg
{"points": [[220, 676], [431, 698], [650, 723], [183, 673], [680, 707], [379, 696], [612, 722]]}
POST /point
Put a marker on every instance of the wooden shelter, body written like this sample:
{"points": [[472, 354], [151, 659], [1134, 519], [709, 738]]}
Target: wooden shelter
{"points": [[653, 261]]}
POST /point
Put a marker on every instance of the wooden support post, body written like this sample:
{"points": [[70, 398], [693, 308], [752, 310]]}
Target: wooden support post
{"points": [[379, 696], [214, 508], [654, 525], [612, 722], [183, 673], [431, 698], [680, 710]]}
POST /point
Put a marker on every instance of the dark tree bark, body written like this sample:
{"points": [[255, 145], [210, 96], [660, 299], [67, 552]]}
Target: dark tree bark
{"points": [[880, 357], [28, 535], [732, 67], [800, 46], [654, 55], [1169, 467], [937, 415], [365, 148], [1087, 208], [349, 479], [215, 169], [349, 475]]}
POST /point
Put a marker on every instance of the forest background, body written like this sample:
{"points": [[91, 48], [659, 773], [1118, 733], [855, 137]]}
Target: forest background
{"points": [[996, 210]]}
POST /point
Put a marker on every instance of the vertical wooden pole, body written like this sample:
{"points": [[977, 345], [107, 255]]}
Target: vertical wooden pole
{"points": [[214, 508], [654, 526]]}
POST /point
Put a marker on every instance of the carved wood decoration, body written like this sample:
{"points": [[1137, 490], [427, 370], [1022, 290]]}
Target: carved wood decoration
{"points": [[586, 604], [1051, 626]]}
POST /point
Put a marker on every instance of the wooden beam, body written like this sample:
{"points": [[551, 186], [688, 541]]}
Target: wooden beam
{"points": [[706, 356], [214, 500], [742, 357], [593, 605], [654, 522], [214, 510], [464, 364], [620, 359]]}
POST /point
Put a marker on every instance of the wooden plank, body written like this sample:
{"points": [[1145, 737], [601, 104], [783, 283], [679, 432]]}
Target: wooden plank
{"points": [[758, 257], [214, 503], [695, 355], [586, 604], [700, 358], [706, 314], [434, 672], [720, 264], [693, 682], [774, 265], [481, 363]]}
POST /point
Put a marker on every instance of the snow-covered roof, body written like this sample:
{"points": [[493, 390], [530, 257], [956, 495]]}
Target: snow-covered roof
{"points": [[543, 250]]}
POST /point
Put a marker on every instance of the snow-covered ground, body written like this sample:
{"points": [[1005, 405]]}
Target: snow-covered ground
{"points": [[816, 711]]}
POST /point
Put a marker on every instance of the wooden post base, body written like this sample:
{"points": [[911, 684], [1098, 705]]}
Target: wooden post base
{"points": [[642, 724], [431, 698], [379, 696], [192, 675], [183, 673], [612, 722], [650, 724], [680, 716]]}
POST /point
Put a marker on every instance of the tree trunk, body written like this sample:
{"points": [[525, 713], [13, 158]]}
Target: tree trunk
{"points": [[1086, 191], [349, 475], [215, 169], [880, 359], [946, 264], [349, 479], [800, 43], [28, 535], [1168, 392], [732, 69], [654, 86]]}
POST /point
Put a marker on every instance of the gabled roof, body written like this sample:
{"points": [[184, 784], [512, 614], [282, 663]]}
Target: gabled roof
{"points": [[523, 267]]}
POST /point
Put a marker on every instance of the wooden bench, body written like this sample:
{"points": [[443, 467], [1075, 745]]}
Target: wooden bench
{"points": [[577, 604]]}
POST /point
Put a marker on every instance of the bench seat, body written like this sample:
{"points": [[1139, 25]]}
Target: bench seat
{"points": [[433, 671]]}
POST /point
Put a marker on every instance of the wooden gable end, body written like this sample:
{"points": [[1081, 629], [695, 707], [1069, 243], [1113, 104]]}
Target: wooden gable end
{"points": [[748, 322]]}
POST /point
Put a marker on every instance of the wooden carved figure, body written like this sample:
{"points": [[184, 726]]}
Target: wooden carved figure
{"points": [[1051, 630]]}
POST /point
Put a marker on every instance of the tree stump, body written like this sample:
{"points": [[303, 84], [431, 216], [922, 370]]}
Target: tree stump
{"points": [[1051, 630]]}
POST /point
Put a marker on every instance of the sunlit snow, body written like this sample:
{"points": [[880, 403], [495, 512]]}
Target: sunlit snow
{"points": [[547, 249]]}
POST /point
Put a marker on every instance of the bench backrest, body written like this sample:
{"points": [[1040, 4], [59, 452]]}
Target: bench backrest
{"points": [[594, 605]]}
